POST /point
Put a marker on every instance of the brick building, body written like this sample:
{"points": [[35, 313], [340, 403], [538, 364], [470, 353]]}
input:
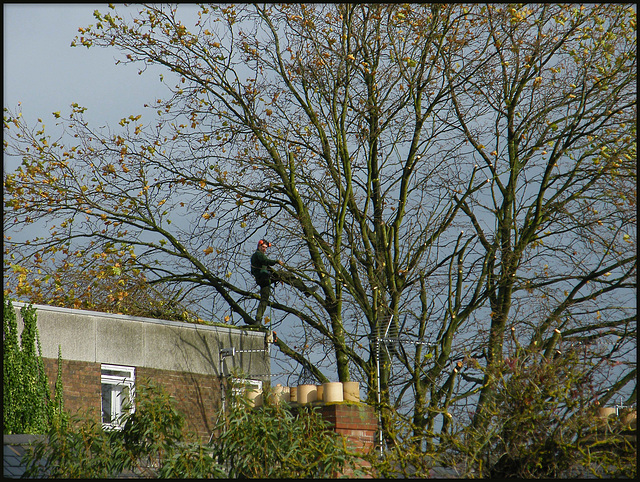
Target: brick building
{"points": [[105, 355]]}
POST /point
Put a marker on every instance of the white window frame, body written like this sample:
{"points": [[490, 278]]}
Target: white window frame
{"points": [[126, 378], [241, 384]]}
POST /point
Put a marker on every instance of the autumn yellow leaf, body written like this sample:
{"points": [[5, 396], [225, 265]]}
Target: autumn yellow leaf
{"points": [[208, 250]]}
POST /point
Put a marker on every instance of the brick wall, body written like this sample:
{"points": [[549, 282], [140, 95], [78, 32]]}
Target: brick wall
{"points": [[197, 396], [81, 385], [356, 421]]}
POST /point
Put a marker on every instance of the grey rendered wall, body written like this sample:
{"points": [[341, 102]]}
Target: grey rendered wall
{"points": [[145, 342]]}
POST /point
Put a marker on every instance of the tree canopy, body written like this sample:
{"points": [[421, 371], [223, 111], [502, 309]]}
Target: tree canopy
{"points": [[457, 179]]}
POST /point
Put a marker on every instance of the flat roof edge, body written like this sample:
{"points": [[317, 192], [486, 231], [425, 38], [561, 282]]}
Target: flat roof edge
{"points": [[181, 324]]}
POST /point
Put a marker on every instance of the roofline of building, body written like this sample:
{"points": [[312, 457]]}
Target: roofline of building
{"points": [[180, 324]]}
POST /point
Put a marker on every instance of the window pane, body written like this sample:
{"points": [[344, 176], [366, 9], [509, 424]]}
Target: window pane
{"points": [[117, 393], [107, 403], [124, 399], [116, 373]]}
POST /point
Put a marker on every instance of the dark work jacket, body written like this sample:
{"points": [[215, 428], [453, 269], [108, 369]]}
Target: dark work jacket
{"points": [[260, 267]]}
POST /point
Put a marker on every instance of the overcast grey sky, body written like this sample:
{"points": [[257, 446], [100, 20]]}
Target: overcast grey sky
{"points": [[45, 74]]}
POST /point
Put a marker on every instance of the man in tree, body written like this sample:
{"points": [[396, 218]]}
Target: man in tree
{"points": [[264, 275], [357, 136]]}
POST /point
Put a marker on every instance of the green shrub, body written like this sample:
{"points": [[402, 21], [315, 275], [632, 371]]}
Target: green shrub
{"points": [[543, 424], [270, 442], [152, 443], [274, 442]]}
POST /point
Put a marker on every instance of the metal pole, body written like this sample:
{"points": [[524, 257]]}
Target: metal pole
{"points": [[224, 353], [378, 339], [378, 393]]}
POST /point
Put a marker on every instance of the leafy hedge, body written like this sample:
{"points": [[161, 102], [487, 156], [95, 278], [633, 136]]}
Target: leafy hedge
{"points": [[269, 442]]}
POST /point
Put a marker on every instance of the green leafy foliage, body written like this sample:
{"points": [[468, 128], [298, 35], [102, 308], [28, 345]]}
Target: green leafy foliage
{"points": [[543, 422], [27, 405], [152, 443], [270, 442], [274, 442]]}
